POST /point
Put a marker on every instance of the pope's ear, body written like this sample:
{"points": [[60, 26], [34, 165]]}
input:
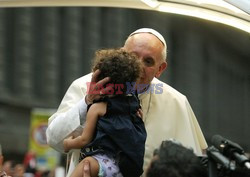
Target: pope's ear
{"points": [[162, 67]]}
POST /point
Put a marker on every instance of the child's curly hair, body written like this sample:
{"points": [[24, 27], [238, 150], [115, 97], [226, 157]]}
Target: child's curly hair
{"points": [[119, 65]]}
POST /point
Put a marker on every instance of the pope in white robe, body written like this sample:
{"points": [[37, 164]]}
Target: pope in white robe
{"points": [[166, 112]]}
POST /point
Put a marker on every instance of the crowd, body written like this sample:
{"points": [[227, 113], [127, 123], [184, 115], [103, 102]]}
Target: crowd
{"points": [[170, 158], [27, 168]]}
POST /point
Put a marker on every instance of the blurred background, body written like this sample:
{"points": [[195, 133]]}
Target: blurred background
{"points": [[43, 49]]}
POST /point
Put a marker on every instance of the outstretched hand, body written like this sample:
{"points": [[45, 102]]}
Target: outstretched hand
{"points": [[95, 89]]}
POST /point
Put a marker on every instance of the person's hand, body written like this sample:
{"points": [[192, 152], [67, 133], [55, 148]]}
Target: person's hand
{"points": [[86, 169], [139, 113], [66, 142], [95, 89]]}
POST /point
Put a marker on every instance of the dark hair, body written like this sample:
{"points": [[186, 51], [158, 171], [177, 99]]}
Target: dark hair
{"points": [[119, 65], [174, 160]]}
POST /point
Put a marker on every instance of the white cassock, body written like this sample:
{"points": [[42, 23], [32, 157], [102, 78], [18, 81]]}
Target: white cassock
{"points": [[166, 113]]}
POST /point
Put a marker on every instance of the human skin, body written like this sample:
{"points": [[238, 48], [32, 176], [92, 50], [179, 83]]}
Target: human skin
{"points": [[149, 49]]}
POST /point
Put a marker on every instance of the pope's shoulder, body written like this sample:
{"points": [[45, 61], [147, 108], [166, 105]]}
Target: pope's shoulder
{"points": [[81, 81], [167, 90]]}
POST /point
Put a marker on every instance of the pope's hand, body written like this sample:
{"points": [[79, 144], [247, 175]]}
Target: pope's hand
{"points": [[95, 89]]}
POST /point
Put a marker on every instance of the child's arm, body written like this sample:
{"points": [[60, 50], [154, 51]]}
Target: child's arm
{"points": [[95, 111]]}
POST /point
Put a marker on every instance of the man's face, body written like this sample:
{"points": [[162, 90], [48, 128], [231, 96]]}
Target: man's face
{"points": [[148, 48]]}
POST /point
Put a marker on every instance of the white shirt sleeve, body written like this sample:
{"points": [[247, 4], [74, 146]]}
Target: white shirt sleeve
{"points": [[69, 118]]}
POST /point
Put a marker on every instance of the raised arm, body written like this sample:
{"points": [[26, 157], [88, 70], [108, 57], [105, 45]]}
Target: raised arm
{"points": [[95, 111]]}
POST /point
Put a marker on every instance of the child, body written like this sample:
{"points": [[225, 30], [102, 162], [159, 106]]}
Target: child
{"points": [[113, 139]]}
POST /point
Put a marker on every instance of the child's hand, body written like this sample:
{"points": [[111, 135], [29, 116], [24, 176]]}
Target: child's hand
{"points": [[140, 113], [66, 143]]}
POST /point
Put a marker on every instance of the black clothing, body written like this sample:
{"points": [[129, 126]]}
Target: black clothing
{"points": [[120, 133]]}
